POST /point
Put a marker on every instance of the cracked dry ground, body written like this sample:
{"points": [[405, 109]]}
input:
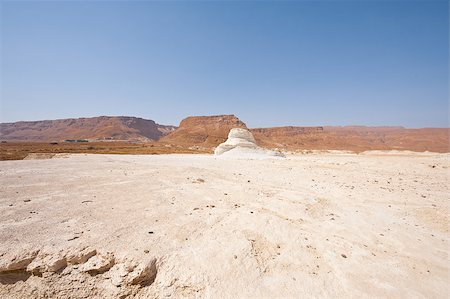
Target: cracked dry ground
{"points": [[195, 226]]}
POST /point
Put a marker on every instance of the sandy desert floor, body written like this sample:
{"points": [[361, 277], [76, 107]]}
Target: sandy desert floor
{"points": [[328, 225]]}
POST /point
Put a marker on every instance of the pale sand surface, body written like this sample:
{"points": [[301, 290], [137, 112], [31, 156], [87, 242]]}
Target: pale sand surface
{"points": [[327, 225]]}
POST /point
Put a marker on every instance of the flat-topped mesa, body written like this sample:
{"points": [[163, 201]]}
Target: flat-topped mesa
{"points": [[241, 142], [205, 131]]}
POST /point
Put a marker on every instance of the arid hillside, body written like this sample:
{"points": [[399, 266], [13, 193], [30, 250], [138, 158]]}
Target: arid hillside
{"points": [[210, 131], [285, 137], [94, 128], [354, 138], [207, 131]]}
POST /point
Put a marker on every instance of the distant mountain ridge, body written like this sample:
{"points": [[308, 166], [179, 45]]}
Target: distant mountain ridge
{"points": [[209, 131], [93, 128], [355, 138]]}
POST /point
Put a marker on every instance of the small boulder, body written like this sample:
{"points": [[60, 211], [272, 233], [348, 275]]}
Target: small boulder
{"points": [[143, 274], [80, 256], [98, 264], [47, 263], [118, 273], [18, 261]]}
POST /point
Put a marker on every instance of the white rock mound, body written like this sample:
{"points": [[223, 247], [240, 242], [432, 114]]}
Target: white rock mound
{"points": [[241, 143]]}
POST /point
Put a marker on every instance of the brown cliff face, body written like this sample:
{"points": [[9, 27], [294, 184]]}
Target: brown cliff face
{"points": [[204, 131], [285, 137], [360, 138], [94, 128], [354, 138], [209, 131]]}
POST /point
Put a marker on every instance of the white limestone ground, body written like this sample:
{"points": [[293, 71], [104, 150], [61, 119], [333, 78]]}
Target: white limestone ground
{"points": [[198, 226], [241, 144]]}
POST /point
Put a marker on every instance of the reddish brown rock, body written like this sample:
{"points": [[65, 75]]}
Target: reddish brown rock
{"points": [[207, 131], [354, 138], [94, 128]]}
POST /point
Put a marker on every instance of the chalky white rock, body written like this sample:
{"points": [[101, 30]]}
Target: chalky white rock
{"points": [[241, 143]]}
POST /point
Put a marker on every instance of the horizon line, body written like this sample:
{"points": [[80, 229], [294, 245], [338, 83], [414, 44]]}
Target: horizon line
{"points": [[215, 115]]}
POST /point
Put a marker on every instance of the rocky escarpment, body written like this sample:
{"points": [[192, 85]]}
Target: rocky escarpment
{"points": [[96, 128], [207, 131], [354, 138], [289, 136]]}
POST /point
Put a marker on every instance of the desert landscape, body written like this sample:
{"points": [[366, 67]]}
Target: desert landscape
{"points": [[224, 149], [202, 226], [201, 134], [246, 221], [122, 207]]}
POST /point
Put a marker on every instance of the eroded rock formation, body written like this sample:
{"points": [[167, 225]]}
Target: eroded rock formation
{"points": [[241, 142], [205, 131]]}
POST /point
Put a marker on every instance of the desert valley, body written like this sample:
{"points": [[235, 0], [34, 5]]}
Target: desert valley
{"points": [[224, 149], [337, 212], [201, 134]]}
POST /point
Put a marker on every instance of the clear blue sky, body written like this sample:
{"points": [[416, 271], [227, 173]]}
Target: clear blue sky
{"points": [[270, 63]]}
